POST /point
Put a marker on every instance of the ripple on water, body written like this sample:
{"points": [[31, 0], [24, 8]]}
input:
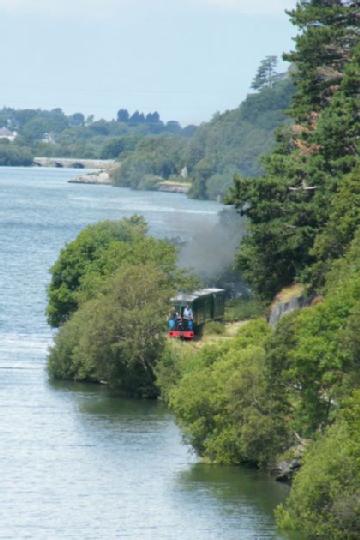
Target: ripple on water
{"points": [[75, 461]]}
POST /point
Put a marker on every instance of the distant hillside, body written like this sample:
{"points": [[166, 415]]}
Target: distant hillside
{"points": [[25, 133], [236, 140], [150, 150], [231, 142]]}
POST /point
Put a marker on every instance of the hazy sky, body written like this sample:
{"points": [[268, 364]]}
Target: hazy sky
{"points": [[185, 58]]}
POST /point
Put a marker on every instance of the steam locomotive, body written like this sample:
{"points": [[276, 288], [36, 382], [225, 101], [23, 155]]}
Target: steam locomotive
{"points": [[206, 305]]}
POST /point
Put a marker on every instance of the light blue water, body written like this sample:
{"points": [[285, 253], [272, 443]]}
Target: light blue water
{"points": [[76, 462]]}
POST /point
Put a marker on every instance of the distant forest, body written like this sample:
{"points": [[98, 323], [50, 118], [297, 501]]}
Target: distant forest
{"points": [[150, 150]]}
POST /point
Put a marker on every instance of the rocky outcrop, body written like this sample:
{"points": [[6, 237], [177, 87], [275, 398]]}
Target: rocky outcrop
{"points": [[286, 301], [285, 470], [173, 187], [287, 467], [102, 178], [291, 299]]}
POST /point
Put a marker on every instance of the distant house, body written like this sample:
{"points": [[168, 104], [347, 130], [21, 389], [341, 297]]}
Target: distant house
{"points": [[5, 133], [47, 138]]}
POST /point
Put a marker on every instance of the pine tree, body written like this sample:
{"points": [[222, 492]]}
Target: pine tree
{"points": [[266, 74], [329, 31], [289, 206]]}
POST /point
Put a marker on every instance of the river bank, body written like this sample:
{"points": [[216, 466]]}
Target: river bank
{"points": [[103, 177], [76, 460]]}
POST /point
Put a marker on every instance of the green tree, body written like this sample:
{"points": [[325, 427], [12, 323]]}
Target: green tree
{"points": [[76, 258], [312, 356], [122, 115], [113, 148], [328, 34], [77, 119], [13, 154], [289, 206], [344, 220], [118, 336], [266, 73], [324, 501], [222, 399]]}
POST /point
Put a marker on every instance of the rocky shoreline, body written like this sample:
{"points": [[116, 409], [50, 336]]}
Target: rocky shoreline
{"points": [[96, 178], [103, 178], [174, 187]]}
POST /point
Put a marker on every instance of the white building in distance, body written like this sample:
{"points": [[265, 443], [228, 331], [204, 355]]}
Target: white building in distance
{"points": [[5, 133]]}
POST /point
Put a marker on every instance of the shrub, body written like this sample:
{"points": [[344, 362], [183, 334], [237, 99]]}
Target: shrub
{"points": [[223, 402], [324, 501], [214, 328], [239, 309], [118, 336]]}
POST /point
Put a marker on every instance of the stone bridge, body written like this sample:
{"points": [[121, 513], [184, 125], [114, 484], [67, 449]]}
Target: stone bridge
{"points": [[75, 163]]}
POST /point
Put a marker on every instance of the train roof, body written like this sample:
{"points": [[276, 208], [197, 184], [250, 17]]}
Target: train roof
{"points": [[190, 297]]}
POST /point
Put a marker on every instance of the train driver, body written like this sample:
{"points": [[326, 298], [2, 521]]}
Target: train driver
{"points": [[188, 316]]}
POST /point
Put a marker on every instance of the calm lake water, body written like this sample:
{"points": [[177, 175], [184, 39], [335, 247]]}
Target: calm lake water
{"points": [[75, 461]]}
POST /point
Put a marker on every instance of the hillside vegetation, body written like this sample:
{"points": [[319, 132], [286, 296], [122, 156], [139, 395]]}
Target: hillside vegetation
{"points": [[150, 150], [56, 134], [253, 398], [109, 295], [231, 142]]}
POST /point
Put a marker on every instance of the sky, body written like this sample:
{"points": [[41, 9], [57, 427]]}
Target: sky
{"points": [[187, 59]]}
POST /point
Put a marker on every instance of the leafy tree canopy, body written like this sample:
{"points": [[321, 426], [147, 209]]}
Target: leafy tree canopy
{"points": [[221, 397], [118, 336], [76, 258], [324, 501], [289, 207]]}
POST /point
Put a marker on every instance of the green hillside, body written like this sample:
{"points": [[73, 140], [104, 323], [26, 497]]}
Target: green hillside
{"points": [[236, 140], [233, 141], [38, 132]]}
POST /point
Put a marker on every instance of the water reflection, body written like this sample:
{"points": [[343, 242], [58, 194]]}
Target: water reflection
{"points": [[218, 501], [75, 461], [235, 486]]}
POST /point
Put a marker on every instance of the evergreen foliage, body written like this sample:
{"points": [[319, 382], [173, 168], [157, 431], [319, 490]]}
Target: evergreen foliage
{"points": [[288, 208], [266, 74], [231, 142]]}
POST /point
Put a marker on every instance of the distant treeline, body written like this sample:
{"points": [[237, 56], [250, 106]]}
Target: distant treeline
{"points": [[232, 142], [151, 150], [53, 133]]}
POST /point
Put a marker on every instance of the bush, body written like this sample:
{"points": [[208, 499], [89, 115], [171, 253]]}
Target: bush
{"points": [[118, 336], [175, 359], [97, 252], [214, 328], [12, 154], [223, 402], [324, 501], [149, 182], [239, 309], [312, 357]]}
